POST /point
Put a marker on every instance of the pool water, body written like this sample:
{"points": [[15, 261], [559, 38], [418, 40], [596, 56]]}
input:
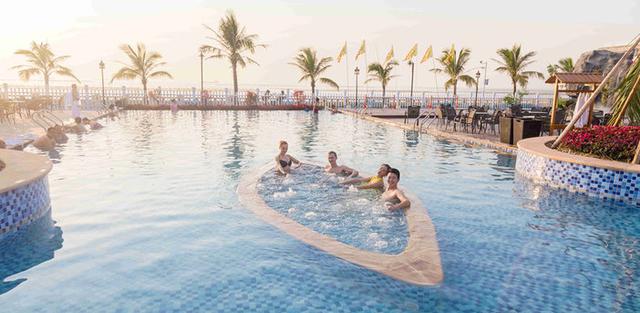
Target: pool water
{"points": [[147, 220], [314, 198]]}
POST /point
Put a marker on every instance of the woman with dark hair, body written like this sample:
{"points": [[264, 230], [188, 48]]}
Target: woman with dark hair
{"points": [[284, 160]]}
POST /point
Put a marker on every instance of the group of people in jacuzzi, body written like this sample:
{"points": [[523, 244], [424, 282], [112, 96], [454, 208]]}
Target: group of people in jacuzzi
{"points": [[392, 195]]}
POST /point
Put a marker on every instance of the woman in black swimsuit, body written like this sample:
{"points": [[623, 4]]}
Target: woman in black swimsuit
{"points": [[284, 160]]}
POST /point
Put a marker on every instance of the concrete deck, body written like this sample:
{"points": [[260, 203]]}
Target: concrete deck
{"points": [[487, 139]]}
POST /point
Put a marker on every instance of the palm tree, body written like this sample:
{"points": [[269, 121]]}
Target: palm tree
{"points": [[143, 65], [453, 65], [381, 73], [513, 62], [564, 65], [308, 63], [233, 43], [42, 61], [627, 98]]}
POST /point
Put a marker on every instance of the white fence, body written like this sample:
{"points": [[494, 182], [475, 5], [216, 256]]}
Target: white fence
{"points": [[92, 97]]}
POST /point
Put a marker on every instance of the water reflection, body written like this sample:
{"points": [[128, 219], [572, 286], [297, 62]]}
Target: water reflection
{"points": [[412, 138], [309, 134], [27, 248], [589, 226]]}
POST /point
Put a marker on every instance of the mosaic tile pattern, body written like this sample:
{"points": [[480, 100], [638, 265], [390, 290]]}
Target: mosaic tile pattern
{"points": [[597, 182], [23, 205]]}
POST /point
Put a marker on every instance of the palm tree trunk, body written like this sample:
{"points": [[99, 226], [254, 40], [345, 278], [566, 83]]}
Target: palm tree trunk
{"points": [[384, 89], [313, 91], [455, 89], [46, 85], [515, 86], [144, 92], [235, 82]]}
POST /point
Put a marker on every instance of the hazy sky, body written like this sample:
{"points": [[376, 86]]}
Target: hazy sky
{"points": [[91, 31]]}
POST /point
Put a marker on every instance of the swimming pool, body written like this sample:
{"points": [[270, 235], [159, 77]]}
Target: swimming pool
{"points": [[147, 219]]}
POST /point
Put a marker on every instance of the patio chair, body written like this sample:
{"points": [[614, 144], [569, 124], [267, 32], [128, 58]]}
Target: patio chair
{"points": [[470, 121], [492, 121], [559, 119], [7, 111]]}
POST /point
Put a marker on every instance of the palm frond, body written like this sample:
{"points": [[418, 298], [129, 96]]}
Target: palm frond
{"points": [[329, 82]]}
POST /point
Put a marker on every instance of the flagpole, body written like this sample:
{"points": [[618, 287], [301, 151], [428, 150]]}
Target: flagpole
{"points": [[346, 72]]}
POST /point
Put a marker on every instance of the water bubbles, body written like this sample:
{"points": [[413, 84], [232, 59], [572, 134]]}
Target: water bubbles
{"points": [[362, 201], [288, 194], [381, 244], [352, 188], [292, 210], [310, 215]]}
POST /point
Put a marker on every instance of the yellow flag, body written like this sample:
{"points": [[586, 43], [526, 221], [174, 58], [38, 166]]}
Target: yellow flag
{"points": [[362, 50], [342, 52], [389, 56], [427, 54], [412, 53]]}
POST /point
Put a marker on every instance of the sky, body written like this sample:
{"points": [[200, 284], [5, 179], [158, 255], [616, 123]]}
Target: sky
{"points": [[90, 31]]}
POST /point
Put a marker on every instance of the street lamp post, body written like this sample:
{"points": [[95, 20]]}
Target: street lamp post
{"points": [[101, 65], [356, 72], [477, 80], [484, 80], [201, 78], [411, 92]]}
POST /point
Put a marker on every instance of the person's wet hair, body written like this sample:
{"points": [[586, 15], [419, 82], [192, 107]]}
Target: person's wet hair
{"points": [[386, 166], [78, 120], [282, 142], [395, 171], [334, 154]]}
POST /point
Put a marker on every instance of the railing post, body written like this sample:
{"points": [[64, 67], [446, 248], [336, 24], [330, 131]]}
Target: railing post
{"points": [[124, 94]]}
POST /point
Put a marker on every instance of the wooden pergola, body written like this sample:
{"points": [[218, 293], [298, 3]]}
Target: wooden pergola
{"points": [[571, 80]]}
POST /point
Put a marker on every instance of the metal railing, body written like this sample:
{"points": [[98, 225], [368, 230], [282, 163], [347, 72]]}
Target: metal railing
{"points": [[91, 97]]}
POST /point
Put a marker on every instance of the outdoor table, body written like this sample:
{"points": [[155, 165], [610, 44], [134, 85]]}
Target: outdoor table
{"points": [[478, 116]]}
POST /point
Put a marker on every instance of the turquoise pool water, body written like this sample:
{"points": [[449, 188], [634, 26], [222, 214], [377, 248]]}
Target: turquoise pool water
{"points": [[147, 220], [314, 198]]}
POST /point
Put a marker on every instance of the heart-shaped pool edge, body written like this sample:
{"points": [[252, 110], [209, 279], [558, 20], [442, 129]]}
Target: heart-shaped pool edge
{"points": [[419, 263]]}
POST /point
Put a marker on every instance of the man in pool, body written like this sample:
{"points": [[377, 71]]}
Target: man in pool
{"points": [[334, 168], [393, 195], [373, 182]]}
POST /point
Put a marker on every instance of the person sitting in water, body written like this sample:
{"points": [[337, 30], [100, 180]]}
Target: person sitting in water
{"points": [[373, 182], [3, 145], [48, 141], [334, 168], [77, 128], [284, 160], [393, 195], [91, 123]]}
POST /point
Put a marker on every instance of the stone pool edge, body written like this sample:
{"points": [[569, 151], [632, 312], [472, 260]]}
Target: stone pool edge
{"points": [[418, 264], [24, 189]]}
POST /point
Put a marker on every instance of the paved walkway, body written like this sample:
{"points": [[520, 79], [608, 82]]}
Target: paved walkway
{"points": [[25, 129], [488, 139]]}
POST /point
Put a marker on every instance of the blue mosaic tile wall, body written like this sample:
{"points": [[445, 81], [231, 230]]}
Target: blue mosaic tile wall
{"points": [[593, 181], [23, 205]]}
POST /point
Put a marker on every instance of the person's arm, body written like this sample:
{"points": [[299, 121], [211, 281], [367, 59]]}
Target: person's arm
{"points": [[354, 173], [354, 181], [294, 160], [404, 201], [379, 184]]}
